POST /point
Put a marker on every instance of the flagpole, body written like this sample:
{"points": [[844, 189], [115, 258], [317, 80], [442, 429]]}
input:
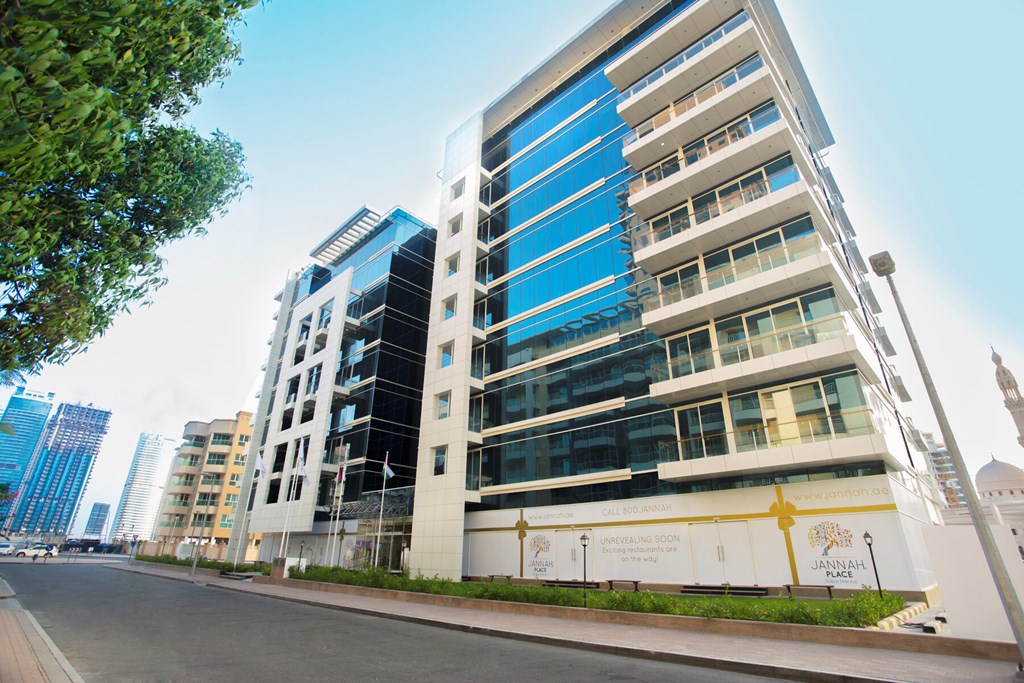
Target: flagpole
{"points": [[260, 470], [291, 497], [287, 517], [380, 519], [335, 522]]}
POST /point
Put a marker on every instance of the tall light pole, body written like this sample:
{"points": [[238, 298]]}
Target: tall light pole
{"points": [[584, 541], [884, 266]]}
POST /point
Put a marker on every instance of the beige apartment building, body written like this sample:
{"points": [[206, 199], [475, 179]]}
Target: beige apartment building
{"points": [[202, 490]]}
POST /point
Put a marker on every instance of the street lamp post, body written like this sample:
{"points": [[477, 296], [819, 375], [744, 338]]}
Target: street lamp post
{"points": [[584, 541], [870, 542], [884, 266]]}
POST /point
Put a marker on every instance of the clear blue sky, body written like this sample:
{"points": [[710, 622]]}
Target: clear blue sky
{"points": [[340, 104]]}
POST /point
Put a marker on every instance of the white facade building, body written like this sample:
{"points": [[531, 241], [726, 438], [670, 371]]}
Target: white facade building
{"points": [[650, 325], [143, 488]]}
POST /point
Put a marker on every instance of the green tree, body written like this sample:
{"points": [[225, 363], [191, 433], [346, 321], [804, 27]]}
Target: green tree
{"points": [[96, 170]]}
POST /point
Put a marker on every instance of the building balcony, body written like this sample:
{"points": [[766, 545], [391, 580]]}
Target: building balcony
{"points": [[687, 174], [815, 348], [680, 236], [846, 437], [682, 302], [724, 99], [655, 72]]}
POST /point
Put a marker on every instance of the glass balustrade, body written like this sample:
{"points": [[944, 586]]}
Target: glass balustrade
{"points": [[686, 55], [752, 187], [756, 347], [772, 434], [687, 282], [685, 104], [745, 127]]}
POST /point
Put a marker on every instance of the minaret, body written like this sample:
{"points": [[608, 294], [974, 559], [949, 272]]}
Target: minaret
{"points": [[1011, 394]]}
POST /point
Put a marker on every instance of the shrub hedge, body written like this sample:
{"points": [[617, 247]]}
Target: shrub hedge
{"points": [[865, 608], [207, 564]]}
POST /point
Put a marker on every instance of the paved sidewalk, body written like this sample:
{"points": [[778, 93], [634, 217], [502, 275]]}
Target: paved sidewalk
{"points": [[27, 655], [759, 656]]}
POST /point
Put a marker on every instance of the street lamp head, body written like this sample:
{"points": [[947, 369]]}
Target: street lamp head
{"points": [[882, 264], [868, 539], [584, 540]]}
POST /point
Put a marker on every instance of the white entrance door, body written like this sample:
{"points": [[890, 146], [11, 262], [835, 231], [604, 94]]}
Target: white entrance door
{"points": [[737, 557], [569, 555], [706, 550], [721, 553]]}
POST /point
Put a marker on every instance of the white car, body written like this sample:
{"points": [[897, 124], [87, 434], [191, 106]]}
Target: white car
{"points": [[38, 550], [6, 548]]}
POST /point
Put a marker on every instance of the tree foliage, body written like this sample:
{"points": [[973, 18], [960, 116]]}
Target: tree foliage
{"points": [[96, 171]]}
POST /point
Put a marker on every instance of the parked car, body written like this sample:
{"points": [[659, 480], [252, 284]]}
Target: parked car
{"points": [[38, 550], [6, 548]]}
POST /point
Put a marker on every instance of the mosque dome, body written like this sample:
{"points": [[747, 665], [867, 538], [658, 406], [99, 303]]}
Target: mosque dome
{"points": [[999, 476]]}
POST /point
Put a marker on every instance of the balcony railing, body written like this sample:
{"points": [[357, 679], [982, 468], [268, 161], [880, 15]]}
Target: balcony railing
{"points": [[686, 55], [683, 218], [808, 429], [702, 149], [686, 282], [681, 106], [832, 327]]}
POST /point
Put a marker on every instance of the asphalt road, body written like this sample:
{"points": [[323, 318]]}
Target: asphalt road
{"points": [[119, 626]]}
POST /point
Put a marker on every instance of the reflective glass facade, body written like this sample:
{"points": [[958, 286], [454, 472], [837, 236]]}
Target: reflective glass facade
{"points": [[60, 469], [25, 416]]}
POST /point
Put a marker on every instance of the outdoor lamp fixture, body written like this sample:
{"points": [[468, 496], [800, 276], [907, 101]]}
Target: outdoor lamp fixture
{"points": [[870, 541], [584, 541], [884, 266]]}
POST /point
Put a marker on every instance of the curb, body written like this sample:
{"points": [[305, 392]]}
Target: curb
{"points": [[5, 590], [734, 666], [58, 657], [903, 616]]}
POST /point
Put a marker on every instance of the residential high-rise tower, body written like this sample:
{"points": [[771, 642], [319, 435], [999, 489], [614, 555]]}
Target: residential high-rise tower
{"points": [[143, 488], [59, 471], [25, 416]]}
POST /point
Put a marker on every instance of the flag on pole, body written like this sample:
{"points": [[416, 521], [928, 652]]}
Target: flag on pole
{"points": [[342, 473], [261, 469], [302, 464], [387, 471]]}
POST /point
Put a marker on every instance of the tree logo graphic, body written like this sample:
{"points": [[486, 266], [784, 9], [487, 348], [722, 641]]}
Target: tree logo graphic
{"points": [[540, 544], [829, 535]]}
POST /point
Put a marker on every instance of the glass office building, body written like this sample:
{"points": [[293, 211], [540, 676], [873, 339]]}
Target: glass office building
{"points": [[97, 522], [650, 325], [342, 394]]}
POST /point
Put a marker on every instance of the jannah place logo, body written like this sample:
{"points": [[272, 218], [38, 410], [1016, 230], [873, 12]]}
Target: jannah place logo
{"points": [[832, 538], [540, 544], [828, 536], [540, 564]]}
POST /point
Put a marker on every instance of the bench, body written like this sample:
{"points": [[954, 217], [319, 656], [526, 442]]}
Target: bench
{"points": [[507, 577], [635, 582], [725, 589], [593, 585], [826, 586]]}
